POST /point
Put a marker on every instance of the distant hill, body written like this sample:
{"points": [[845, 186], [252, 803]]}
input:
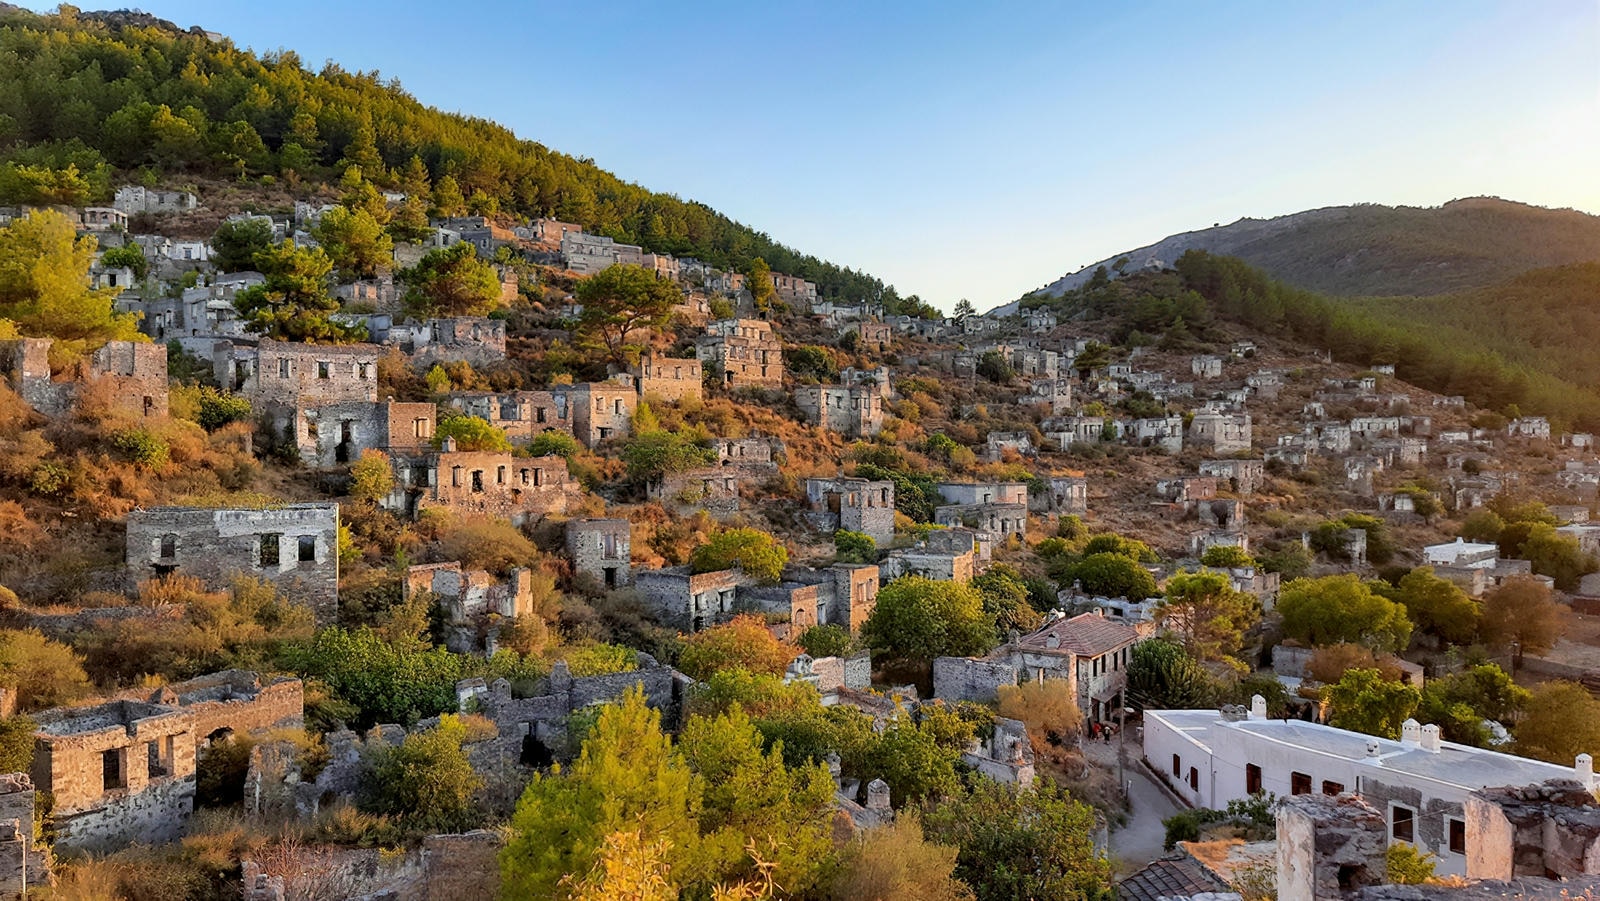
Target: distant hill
{"points": [[1373, 250], [89, 99]]}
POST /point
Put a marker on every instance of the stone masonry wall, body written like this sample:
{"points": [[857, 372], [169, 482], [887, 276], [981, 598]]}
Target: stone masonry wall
{"points": [[966, 679]]}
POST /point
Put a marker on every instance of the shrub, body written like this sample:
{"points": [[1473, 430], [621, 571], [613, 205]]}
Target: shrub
{"points": [[143, 447], [827, 640], [854, 547], [552, 443], [755, 552]]}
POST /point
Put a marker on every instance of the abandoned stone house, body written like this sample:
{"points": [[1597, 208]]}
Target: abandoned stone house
{"points": [[1077, 430], [996, 444], [1165, 432], [1534, 428], [337, 434], [742, 466], [798, 293], [872, 335], [997, 510], [1220, 433], [1095, 650], [689, 600], [1055, 395], [472, 602], [1368, 427], [1067, 495], [1239, 476], [858, 505], [295, 547], [744, 352], [944, 555], [602, 411], [602, 549], [134, 199], [855, 411], [1039, 320], [522, 415], [1399, 451], [668, 378], [486, 483], [129, 375], [477, 340], [124, 770], [283, 380], [1206, 366], [1187, 489]]}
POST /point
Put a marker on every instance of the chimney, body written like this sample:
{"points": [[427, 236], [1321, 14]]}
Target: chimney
{"points": [[1373, 748], [1258, 707], [1431, 739], [449, 445], [1411, 733], [1584, 769]]}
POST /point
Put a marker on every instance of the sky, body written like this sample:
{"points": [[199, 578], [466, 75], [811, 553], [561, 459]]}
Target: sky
{"points": [[982, 150]]}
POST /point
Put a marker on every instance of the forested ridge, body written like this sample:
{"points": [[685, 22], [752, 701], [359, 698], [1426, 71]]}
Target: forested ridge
{"points": [[1520, 347], [86, 99]]}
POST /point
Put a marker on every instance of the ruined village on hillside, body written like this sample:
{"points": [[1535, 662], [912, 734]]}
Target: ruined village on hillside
{"points": [[1172, 556]]}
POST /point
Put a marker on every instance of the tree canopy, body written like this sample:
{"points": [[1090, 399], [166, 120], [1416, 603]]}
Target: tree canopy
{"points": [[621, 300], [44, 288], [1333, 609], [452, 281], [293, 304], [920, 619]]}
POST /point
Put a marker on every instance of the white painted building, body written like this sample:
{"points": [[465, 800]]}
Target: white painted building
{"points": [[1462, 553], [1419, 782]]}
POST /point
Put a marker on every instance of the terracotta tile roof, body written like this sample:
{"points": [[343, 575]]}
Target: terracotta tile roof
{"points": [[1174, 877], [1087, 635]]}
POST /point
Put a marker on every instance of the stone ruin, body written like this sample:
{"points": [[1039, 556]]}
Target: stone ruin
{"points": [[1550, 830], [24, 863], [1328, 846]]}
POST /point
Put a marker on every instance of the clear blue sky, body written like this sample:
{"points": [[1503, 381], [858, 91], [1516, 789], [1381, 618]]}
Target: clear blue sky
{"points": [[981, 150]]}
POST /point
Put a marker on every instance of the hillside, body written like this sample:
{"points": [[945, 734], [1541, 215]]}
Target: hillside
{"points": [[1374, 250], [92, 96]]}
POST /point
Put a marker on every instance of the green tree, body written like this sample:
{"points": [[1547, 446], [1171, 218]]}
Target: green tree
{"points": [[896, 861], [627, 777], [1483, 525], [1021, 842], [919, 619], [620, 300], [355, 242], [1163, 676], [827, 640], [758, 281], [1095, 356], [1333, 609], [1109, 543], [1460, 702], [452, 281], [1110, 575], [1560, 721], [1005, 599], [472, 433], [44, 288], [448, 201], [1557, 556], [371, 477], [1206, 614], [1227, 556], [385, 682], [994, 366], [39, 671], [27, 185], [1437, 606], [294, 304], [220, 408], [16, 743], [744, 643], [236, 242], [753, 551], [915, 764], [129, 256], [752, 798], [854, 547], [654, 454], [426, 780], [1522, 610], [1364, 701]]}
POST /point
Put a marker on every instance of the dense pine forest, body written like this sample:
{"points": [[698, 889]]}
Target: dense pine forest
{"points": [[84, 99]]}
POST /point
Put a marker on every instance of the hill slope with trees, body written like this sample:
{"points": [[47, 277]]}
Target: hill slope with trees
{"points": [[89, 97], [1375, 250]]}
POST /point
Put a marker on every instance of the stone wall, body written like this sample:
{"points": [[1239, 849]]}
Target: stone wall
{"points": [[1328, 846], [968, 679], [522, 415], [288, 376], [132, 376], [602, 548], [22, 864], [295, 547], [336, 434], [486, 483], [1550, 830], [669, 378], [602, 411]]}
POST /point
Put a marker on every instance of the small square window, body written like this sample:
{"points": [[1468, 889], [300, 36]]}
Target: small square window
{"points": [[269, 550], [1402, 823], [1332, 788], [1456, 835], [308, 548], [1299, 784]]}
